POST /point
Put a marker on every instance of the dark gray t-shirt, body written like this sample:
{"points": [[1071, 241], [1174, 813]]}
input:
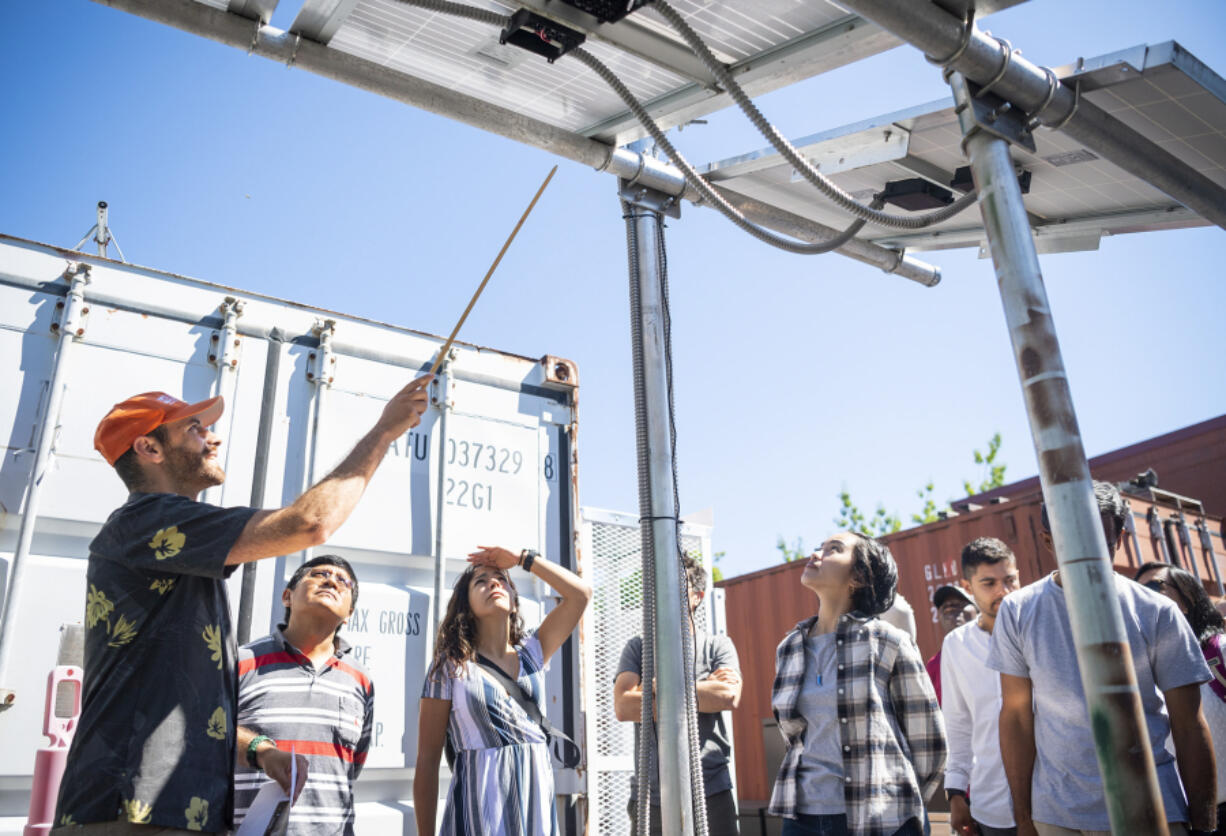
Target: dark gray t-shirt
{"points": [[155, 742], [714, 652]]}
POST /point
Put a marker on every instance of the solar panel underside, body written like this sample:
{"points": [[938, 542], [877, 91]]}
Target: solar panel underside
{"points": [[466, 56], [1075, 196]]}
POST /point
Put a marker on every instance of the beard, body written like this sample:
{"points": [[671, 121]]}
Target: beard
{"points": [[193, 469]]}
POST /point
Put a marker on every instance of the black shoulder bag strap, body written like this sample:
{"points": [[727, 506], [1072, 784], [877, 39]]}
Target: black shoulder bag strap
{"points": [[565, 750]]}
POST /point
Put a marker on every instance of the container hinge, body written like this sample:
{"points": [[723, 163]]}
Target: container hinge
{"points": [[225, 344], [72, 312], [321, 370]]}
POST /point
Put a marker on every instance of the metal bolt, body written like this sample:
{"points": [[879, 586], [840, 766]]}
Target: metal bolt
{"points": [[212, 358], [214, 338], [310, 376], [84, 310], [55, 326], [80, 332], [59, 305], [236, 343]]}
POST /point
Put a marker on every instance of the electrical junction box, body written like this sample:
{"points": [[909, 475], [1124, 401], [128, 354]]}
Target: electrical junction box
{"points": [[606, 11], [547, 38]]}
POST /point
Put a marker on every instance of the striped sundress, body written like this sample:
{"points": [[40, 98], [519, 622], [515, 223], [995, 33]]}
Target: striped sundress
{"points": [[502, 783]]}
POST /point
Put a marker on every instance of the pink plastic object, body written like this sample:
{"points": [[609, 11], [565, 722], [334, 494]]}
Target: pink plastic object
{"points": [[49, 761]]}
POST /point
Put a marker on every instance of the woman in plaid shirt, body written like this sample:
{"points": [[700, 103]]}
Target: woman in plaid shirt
{"points": [[865, 738]]}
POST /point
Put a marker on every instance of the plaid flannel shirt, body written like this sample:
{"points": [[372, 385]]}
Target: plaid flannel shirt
{"points": [[890, 726]]}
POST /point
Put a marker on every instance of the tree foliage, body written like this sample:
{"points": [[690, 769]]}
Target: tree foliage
{"points": [[882, 522]]}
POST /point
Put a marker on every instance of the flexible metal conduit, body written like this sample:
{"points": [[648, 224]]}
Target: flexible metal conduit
{"points": [[823, 183], [291, 50], [692, 177], [959, 45]]}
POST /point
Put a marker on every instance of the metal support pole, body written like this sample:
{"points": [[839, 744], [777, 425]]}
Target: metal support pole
{"points": [[1108, 678], [659, 523], [69, 328], [103, 235]]}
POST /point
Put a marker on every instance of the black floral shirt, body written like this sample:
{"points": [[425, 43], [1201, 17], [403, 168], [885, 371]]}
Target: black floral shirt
{"points": [[155, 743]]}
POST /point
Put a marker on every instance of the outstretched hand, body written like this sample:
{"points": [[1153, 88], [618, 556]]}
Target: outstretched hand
{"points": [[403, 412], [495, 556]]}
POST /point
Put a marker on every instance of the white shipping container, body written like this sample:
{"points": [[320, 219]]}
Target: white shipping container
{"points": [[494, 461]]}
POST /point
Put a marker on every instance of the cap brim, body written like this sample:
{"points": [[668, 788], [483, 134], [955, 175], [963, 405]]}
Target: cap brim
{"points": [[208, 411]]}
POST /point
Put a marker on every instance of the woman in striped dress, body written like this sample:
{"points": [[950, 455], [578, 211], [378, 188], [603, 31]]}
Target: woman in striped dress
{"points": [[502, 779]]}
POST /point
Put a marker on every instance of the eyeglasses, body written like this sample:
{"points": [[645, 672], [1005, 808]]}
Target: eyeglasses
{"points": [[1156, 585], [335, 577]]}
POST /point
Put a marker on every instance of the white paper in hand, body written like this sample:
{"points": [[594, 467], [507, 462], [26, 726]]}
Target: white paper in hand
{"points": [[269, 811]]}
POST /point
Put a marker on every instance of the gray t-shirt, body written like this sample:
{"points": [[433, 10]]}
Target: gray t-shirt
{"points": [[820, 774], [714, 652], [1032, 638]]}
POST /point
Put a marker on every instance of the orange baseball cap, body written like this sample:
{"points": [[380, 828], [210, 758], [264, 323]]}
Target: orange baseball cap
{"points": [[142, 414]]}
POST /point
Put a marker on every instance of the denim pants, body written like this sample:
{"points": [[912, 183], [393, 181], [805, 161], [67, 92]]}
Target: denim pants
{"points": [[806, 825]]}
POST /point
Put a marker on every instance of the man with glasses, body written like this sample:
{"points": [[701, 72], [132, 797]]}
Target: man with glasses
{"points": [[300, 689], [154, 749], [1046, 736]]}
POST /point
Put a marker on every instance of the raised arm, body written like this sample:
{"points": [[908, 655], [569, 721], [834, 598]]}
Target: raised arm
{"points": [[628, 697], [1017, 745], [575, 592], [432, 718], [312, 518]]}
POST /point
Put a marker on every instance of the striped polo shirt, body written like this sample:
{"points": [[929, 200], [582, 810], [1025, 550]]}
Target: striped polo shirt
{"points": [[325, 714]]}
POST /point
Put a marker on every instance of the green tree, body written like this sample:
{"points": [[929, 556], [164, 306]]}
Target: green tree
{"points": [[879, 523], [851, 518], [717, 574], [993, 473], [790, 553]]}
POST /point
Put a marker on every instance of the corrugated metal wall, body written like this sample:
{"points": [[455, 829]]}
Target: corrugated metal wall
{"points": [[763, 606]]}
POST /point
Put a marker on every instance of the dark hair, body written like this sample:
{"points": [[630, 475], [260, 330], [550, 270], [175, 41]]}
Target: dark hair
{"points": [[1149, 567], [324, 560], [1203, 617], [694, 573], [457, 632], [128, 465], [981, 551], [875, 575], [1111, 506]]}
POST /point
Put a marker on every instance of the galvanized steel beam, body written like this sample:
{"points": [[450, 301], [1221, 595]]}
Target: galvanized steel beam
{"points": [[1108, 677], [294, 50], [1036, 91]]}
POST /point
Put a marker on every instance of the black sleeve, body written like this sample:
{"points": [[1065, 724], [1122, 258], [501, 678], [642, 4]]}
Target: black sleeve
{"points": [[174, 534]]}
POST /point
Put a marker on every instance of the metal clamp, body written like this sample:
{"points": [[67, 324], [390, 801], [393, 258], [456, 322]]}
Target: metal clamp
{"points": [[1007, 59], [968, 29], [1072, 110], [649, 199], [1053, 84], [293, 53], [321, 368]]}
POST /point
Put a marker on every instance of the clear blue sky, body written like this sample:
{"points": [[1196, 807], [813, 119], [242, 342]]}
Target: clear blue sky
{"points": [[796, 376]]}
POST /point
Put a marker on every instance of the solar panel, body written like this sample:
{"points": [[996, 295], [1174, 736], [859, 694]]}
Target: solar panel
{"points": [[767, 43], [1162, 92]]}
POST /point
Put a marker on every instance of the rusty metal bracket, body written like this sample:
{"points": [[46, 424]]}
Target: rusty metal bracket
{"points": [[650, 199]]}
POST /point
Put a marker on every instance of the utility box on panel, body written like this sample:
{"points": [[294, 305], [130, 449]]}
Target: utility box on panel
{"points": [[498, 468]]}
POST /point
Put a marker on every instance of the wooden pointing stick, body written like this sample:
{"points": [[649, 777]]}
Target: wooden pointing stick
{"points": [[447, 345]]}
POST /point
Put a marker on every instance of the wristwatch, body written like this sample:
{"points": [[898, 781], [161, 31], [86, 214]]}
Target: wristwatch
{"points": [[949, 794], [252, 760], [526, 557]]}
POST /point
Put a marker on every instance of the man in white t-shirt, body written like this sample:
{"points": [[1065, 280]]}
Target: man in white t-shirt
{"points": [[979, 801]]}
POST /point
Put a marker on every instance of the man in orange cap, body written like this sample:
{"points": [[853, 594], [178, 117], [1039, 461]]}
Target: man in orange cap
{"points": [[155, 746]]}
